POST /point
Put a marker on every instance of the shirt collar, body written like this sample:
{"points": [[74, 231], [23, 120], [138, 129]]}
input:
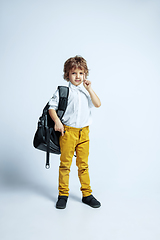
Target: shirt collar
{"points": [[79, 87]]}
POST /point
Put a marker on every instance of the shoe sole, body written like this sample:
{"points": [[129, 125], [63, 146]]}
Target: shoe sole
{"points": [[93, 206], [60, 207]]}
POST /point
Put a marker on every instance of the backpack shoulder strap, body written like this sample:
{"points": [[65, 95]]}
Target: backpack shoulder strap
{"points": [[62, 105], [63, 100]]}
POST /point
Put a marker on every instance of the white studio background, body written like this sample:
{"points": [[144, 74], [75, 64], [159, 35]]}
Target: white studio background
{"points": [[120, 41]]}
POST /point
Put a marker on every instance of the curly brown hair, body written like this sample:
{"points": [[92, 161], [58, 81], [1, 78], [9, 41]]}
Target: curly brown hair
{"points": [[75, 62]]}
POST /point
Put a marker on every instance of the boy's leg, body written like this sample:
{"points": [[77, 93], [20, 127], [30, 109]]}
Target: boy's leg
{"points": [[82, 152], [67, 145]]}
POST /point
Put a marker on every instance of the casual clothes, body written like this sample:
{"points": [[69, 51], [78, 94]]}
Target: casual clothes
{"points": [[74, 138], [76, 120]]}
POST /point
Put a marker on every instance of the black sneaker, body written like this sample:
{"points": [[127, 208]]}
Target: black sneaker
{"points": [[91, 201], [62, 201]]}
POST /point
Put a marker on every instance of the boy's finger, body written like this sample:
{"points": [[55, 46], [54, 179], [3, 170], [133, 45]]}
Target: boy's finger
{"points": [[87, 82], [62, 131]]}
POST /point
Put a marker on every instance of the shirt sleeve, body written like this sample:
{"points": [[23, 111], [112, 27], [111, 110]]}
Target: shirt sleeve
{"points": [[53, 102], [90, 103]]}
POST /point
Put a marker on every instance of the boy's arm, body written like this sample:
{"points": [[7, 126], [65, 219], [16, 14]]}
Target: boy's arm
{"points": [[95, 99], [58, 125]]}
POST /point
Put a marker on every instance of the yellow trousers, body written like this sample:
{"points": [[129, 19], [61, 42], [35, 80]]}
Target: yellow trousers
{"points": [[74, 139]]}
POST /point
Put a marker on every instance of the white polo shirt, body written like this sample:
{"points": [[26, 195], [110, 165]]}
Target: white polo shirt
{"points": [[78, 112]]}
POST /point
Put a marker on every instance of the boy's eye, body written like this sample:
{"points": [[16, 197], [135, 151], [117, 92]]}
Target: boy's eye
{"points": [[81, 73]]}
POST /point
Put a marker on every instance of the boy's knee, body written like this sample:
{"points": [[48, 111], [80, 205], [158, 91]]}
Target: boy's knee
{"points": [[82, 170]]}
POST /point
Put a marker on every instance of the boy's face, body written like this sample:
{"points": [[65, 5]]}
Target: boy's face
{"points": [[76, 76]]}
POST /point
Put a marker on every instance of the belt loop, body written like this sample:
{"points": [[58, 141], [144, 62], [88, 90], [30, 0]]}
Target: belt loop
{"points": [[80, 133]]}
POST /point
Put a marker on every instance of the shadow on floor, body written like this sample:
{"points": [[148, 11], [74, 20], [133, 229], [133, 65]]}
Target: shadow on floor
{"points": [[17, 176]]}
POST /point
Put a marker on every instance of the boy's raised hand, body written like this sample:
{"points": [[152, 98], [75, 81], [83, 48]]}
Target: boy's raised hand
{"points": [[95, 99], [86, 83]]}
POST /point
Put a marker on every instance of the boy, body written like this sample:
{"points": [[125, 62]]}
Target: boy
{"points": [[74, 129]]}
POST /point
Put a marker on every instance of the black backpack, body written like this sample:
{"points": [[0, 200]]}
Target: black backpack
{"points": [[46, 138]]}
